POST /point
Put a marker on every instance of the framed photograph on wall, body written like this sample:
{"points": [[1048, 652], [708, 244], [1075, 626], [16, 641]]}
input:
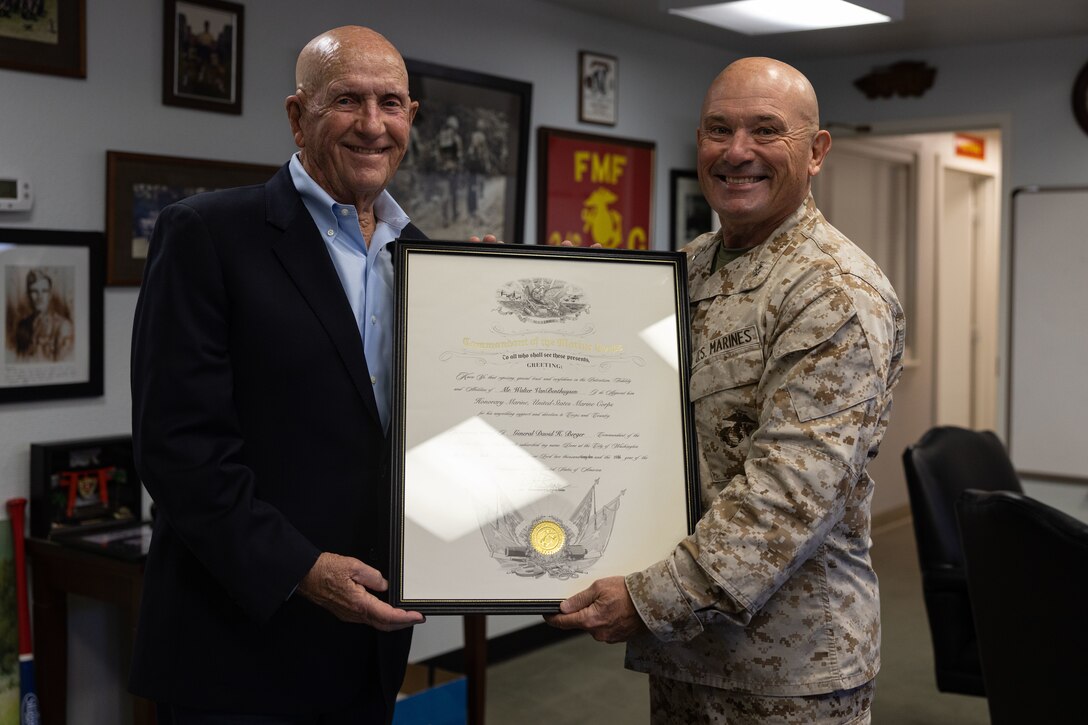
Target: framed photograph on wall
{"points": [[689, 213], [52, 292], [138, 186], [594, 189], [202, 55], [44, 37], [598, 82], [465, 169]]}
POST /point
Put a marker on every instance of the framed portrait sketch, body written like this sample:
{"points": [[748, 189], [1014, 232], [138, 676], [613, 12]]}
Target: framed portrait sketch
{"points": [[138, 186], [202, 55], [52, 292], [594, 189], [689, 213], [543, 439], [465, 169], [598, 83], [44, 36]]}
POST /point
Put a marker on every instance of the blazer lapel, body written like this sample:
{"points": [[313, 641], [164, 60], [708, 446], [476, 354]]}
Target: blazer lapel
{"points": [[303, 254]]}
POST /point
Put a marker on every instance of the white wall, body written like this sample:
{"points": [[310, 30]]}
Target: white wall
{"points": [[56, 131]]}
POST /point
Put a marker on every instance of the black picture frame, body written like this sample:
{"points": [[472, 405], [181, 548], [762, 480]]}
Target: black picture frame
{"points": [[53, 40], [506, 499], [202, 69], [470, 144], [138, 186], [598, 88], [689, 213], [52, 348]]}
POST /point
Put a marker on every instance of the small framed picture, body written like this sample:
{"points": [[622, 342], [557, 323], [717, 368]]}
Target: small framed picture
{"points": [[52, 292], [597, 85], [138, 186], [202, 55], [689, 213], [44, 36]]}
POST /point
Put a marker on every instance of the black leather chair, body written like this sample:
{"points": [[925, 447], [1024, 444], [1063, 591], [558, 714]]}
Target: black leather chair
{"points": [[1027, 571], [945, 462]]}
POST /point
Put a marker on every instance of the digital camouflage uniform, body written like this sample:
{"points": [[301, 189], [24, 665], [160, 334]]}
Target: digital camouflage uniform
{"points": [[796, 346]]}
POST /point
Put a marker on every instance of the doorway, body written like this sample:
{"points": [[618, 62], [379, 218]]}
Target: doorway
{"points": [[930, 217]]}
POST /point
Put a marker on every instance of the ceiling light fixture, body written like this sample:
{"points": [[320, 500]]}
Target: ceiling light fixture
{"points": [[763, 17]]}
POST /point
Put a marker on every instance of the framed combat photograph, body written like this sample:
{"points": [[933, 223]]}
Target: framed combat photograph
{"points": [[52, 292], [543, 438], [138, 186], [465, 169], [594, 190], [202, 55], [44, 36]]}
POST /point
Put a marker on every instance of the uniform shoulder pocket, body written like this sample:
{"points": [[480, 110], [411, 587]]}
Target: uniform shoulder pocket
{"points": [[836, 374]]}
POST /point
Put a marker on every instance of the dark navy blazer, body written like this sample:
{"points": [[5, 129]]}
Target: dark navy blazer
{"points": [[257, 435]]}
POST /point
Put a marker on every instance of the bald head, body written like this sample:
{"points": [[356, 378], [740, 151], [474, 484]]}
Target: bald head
{"points": [[768, 78], [339, 51], [760, 143], [351, 114]]}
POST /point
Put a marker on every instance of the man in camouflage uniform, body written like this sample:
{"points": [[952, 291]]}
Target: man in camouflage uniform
{"points": [[769, 612]]}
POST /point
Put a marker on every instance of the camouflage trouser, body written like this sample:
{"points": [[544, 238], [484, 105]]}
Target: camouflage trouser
{"points": [[673, 702]]}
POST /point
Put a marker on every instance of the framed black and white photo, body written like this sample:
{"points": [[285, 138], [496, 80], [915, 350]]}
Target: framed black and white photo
{"points": [[689, 213], [47, 36], [598, 82], [202, 55], [465, 168], [52, 292], [138, 186], [542, 437]]}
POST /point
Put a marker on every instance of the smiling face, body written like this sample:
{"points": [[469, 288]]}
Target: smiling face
{"points": [[351, 114], [759, 144]]}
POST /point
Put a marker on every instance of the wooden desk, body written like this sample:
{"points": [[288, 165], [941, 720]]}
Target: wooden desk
{"points": [[57, 571]]}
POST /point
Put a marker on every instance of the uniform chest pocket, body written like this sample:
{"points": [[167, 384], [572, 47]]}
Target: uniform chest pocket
{"points": [[727, 372]]}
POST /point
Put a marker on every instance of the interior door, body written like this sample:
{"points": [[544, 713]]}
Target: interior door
{"points": [[967, 300]]}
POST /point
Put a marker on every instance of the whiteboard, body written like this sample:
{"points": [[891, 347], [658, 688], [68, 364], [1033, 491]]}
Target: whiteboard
{"points": [[1048, 337]]}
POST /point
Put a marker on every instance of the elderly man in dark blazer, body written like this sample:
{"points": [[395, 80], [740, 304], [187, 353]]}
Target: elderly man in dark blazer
{"points": [[261, 393]]}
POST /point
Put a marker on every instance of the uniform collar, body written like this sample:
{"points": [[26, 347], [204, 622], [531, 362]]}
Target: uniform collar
{"points": [[750, 270]]}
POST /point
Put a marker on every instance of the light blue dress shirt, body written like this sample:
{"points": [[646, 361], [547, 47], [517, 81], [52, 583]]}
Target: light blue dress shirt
{"points": [[366, 274]]}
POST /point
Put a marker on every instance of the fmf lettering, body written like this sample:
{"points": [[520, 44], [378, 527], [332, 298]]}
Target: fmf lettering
{"points": [[602, 168]]}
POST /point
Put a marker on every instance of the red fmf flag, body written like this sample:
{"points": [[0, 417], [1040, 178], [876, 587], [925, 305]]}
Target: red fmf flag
{"points": [[597, 191]]}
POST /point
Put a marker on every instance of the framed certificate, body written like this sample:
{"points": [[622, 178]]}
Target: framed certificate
{"points": [[542, 431]]}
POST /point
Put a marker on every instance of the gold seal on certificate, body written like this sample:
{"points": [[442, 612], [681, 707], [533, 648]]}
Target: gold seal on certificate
{"points": [[547, 537]]}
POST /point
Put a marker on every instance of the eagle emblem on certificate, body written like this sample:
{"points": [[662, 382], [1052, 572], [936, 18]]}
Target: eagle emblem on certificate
{"points": [[541, 299]]}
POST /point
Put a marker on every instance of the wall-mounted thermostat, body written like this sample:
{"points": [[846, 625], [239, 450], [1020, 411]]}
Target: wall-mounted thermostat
{"points": [[15, 194]]}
